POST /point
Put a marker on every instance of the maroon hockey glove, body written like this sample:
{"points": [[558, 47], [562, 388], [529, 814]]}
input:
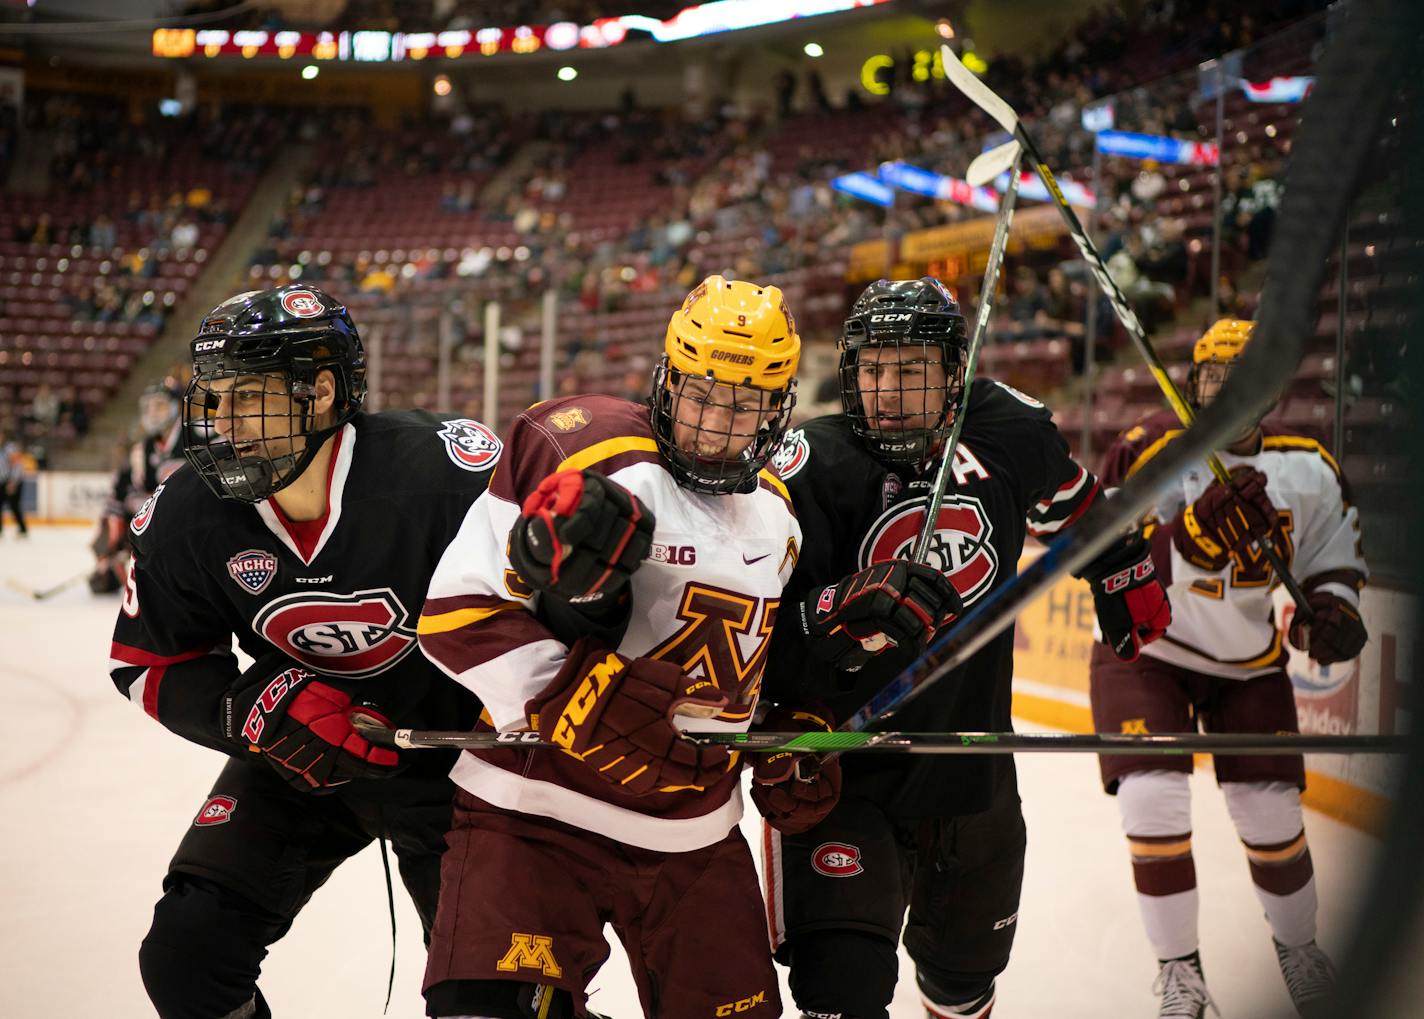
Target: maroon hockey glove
{"points": [[795, 792], [1224, 519], [580, 536], [1131, 602], [1336, 634], [896, 603], [302, 727], [616, 715]]}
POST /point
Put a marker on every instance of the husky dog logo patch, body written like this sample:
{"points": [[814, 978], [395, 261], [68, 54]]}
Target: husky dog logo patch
{"points": [[470, 445]]}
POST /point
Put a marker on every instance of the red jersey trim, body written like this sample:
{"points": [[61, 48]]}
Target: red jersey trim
{"points": [[139, 657]]}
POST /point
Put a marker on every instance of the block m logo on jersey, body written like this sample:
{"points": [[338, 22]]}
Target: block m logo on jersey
{"points": [[530, 951], [960, 547], [352, 635], [723, 641]]}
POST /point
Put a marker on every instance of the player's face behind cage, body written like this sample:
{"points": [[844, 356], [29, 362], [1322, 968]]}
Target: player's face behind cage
{"points": [[722, 433], [901, 395], [252, 430]]}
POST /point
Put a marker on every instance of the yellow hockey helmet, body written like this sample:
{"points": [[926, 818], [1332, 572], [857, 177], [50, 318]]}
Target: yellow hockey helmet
{"points": [[735, 332], [725, 385], [1221, 345]]}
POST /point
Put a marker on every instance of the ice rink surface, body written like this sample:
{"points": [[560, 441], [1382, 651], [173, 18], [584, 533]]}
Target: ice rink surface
{"points": [[94, 797]]}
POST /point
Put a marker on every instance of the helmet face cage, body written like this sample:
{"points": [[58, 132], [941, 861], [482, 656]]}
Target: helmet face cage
{"points": [[261, 440], [924, 404], [714, 429], [1214, 372], [157, 410], [900, 410], [266, 355]]}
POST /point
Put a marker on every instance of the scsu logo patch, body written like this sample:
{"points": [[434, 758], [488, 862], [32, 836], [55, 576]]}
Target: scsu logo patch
{"points": [[960, 548], [218, 810], [791, 455], [253, 569], [470, 445], [302, 303], [140, 520], [352, 635], [836, 859]]}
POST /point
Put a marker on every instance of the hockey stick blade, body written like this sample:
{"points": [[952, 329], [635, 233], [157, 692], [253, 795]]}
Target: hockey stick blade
{"points": [[979, 94], [42, 593], [932, 742], [988, 165]]}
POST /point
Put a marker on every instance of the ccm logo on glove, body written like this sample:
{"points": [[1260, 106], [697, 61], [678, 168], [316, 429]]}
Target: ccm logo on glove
{"points": [[1138, 573], [268, 701]]}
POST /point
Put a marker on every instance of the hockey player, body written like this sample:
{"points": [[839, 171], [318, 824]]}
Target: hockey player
{"points": [[155, 456], [307, 530], [575, 634], [943, 836], [1220, 666]]}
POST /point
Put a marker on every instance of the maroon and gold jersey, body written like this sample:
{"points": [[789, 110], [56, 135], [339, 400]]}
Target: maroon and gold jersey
{"points": [[706, 598], [1223, 622]]}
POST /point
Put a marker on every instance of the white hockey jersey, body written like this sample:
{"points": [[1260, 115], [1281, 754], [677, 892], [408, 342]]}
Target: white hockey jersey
{"points": [[1223, 623], [706, 598]]}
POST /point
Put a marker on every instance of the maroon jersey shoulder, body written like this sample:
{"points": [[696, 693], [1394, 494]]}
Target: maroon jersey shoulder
{"points": [[601, 433]]}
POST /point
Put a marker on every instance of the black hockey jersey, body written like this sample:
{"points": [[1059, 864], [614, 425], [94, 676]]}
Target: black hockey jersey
{"points": [[1013, 477], [341, 601]]}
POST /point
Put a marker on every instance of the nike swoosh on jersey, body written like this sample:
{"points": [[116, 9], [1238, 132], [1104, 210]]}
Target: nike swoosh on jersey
{"points": [[758, 559]]}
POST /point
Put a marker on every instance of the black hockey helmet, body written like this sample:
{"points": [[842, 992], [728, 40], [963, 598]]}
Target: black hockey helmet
{"points": [[287, 337], [915, 316]]}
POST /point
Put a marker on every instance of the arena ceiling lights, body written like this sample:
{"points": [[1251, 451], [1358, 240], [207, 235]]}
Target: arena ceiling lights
{"points": [[388, 47]]}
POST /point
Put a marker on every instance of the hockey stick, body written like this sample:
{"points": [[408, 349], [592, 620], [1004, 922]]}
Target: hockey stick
{"points": [[41, 593], [983, 97], [988, 165], [997, 248], [932, 742]]}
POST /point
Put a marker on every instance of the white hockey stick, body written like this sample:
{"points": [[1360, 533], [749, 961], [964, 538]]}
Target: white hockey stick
{"points": [[997, 247], [41, 593]]}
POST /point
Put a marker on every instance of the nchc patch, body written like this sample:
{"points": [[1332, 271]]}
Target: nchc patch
{"points": [[470, 445], [253, 569]]}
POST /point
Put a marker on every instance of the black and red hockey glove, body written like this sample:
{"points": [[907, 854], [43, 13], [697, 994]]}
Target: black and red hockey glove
{"points": [[302, 727], [795, 792], [1336, 634], [1224, 519], [580, 536], [616, 715], [896, 603], [1131, 603]]}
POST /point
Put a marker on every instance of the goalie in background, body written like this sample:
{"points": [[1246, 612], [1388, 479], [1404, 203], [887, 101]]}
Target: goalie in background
{"points": [[1221, 667], [942, 835]]}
